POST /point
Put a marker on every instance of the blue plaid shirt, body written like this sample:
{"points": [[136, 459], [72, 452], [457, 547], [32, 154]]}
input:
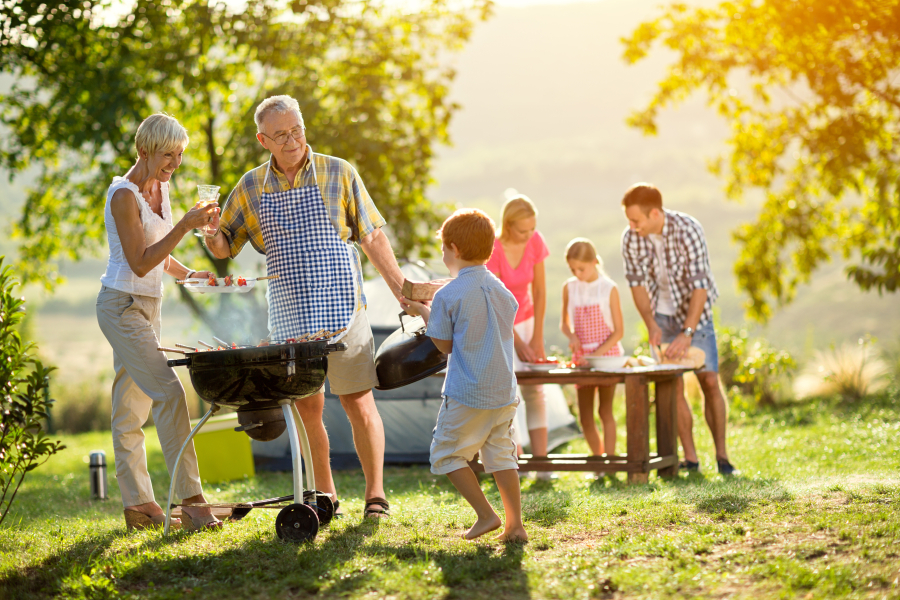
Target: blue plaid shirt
{"points": [[477, 312], [687, 263]]}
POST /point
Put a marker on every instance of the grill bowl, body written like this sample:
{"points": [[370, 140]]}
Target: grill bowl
{"points": [[258, 377]]}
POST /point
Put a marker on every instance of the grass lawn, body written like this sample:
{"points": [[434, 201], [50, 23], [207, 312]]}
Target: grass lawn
{"points": [[815, 514]]}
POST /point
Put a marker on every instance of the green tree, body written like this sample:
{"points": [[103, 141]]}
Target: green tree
{"points": [[24, 400], [372, 82], [810, 91]]}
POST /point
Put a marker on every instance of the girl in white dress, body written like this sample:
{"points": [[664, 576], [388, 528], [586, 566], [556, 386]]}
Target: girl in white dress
{"points": [[592, 320]]}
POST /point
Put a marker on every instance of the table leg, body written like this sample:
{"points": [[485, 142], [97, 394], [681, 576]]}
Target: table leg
{"points": [[637, 422], [667, 423]]}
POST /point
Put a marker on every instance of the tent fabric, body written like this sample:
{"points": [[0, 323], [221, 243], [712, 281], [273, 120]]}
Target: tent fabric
{"points": [[409, 413]]}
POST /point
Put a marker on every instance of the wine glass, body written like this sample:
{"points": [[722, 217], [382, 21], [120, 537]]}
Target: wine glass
{"points": [[208, 194]]}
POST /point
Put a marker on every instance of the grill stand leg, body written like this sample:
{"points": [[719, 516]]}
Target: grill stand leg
{"points": [[212, 410], [299, 447]]}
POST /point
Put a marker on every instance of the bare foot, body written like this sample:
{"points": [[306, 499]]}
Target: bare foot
{"points": [[515, 534], [482, 526]]}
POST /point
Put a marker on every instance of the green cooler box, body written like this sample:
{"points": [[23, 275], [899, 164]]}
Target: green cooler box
{"points": [[223, 454]]}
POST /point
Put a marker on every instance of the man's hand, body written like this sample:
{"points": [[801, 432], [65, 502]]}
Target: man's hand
{"points": [[678, 347], [655, 334]]}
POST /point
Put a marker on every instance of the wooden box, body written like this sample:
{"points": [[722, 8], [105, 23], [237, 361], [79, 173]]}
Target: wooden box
{"points": [[423, 291]]}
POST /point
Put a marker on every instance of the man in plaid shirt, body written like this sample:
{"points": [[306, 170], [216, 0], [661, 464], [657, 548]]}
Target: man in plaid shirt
{"points": [[667, 268], [349, 208]]}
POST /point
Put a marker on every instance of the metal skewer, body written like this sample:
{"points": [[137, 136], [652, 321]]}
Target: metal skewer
{"points": [[210, 346], [221, 342], [186, 347], [163, 349]]}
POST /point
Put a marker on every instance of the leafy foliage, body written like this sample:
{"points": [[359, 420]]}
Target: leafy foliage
{"points": [[809, 88], [372, 82], [24, 399], [752, 367]]}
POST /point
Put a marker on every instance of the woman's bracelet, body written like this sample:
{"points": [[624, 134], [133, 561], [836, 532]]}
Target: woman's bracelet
{"points": [[188, 276]]}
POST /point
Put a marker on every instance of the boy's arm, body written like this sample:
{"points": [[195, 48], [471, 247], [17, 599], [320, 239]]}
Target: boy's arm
{"points": [[417, 309], [445, 346]]}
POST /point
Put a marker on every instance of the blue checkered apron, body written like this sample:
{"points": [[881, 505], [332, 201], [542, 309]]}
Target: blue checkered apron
{"points": [[315, 289]]}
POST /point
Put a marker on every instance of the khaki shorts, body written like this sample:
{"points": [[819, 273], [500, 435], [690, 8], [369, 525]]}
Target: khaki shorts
{"points": [[462, 431], [353, 370]]}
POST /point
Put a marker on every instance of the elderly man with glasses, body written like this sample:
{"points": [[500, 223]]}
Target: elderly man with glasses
{"points": [[304, 211]]}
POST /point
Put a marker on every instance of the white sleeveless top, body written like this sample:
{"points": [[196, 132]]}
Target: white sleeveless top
{"points": [[119, 275], [583, 293]]}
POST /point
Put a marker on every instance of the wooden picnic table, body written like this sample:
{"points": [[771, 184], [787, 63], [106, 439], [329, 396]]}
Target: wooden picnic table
{"points": [[639, 461]]}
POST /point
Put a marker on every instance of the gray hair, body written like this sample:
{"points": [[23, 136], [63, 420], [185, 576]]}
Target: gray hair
{"points": [[276, 104]]}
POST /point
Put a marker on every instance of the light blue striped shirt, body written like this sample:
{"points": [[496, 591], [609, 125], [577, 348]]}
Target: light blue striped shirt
{"points": [[477, 312]]}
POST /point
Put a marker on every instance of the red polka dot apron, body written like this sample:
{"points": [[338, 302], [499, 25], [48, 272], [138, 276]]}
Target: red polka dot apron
{"points": [[591, 330]]}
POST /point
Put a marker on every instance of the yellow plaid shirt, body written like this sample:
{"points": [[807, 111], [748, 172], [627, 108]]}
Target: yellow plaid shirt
{"points": [[349, 206]]}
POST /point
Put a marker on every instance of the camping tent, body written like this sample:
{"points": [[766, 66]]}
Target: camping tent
{"points": [[409, 413]]}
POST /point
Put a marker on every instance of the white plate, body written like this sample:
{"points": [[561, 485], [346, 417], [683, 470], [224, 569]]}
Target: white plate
{"points": [[199, 286], [602, 363], [541, 366]]}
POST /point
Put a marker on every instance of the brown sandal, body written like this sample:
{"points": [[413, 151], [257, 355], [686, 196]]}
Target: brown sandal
{"points": [[370, 513], [136, 520], [200, 523]]}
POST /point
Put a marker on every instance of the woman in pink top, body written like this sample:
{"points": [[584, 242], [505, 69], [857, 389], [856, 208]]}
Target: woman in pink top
{"points": [[518, 261]]}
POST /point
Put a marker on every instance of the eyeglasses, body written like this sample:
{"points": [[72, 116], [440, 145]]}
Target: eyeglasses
{"points": [[282, 138]]}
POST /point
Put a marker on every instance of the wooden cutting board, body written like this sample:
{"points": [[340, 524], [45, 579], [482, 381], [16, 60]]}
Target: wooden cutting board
{"points": [[423, 291]]}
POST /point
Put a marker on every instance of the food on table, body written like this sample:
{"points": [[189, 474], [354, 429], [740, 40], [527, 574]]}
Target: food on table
{"points": [[228, 280], [639, 361], [550, 360], [212, 281], [693, 358], [241, 281]]}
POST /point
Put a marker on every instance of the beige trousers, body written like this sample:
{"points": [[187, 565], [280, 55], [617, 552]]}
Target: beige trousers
{"points": [[144, 382]]}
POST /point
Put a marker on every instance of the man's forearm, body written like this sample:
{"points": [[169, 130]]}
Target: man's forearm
{"points": [[695, 308], [378, 249], [218, 245], [642, 303]]}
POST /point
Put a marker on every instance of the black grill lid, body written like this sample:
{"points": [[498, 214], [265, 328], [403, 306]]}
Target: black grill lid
{"points": [[407, 355]]}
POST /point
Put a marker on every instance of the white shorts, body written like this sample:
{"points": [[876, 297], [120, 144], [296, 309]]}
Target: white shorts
{"points": [[462, 431]]}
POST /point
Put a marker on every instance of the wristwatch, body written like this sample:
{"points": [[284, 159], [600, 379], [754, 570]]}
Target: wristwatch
{"points": [[688, 332]]}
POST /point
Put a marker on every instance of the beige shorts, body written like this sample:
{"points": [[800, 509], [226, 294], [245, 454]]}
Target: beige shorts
{"points": [[462, 431], [353, 370]]}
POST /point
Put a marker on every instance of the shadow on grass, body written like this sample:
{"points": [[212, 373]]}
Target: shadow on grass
{"points": [[471, 569], [729, 496], [46, 578], [267, 567], [542, 504]]}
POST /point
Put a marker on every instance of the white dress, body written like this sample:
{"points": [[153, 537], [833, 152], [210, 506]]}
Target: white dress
{"points": [[119, 275]]}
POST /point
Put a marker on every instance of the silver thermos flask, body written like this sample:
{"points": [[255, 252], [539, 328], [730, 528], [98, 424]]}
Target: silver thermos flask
{"points": [[99, 488]]}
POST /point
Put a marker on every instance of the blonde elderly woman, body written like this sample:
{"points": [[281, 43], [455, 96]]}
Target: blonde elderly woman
{"points": [[141, 238]]}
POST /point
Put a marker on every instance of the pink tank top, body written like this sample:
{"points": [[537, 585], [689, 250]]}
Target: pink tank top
{"points": [[518, 280]]}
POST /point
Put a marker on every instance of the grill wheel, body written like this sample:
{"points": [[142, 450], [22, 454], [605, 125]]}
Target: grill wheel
{"points": [[324, 505], [297, 523]]}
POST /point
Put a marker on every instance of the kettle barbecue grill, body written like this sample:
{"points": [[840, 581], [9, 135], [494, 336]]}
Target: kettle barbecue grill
{"points": [[261, 383]]}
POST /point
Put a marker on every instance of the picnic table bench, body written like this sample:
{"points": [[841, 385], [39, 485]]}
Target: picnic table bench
{"points": [[639, 461]]}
